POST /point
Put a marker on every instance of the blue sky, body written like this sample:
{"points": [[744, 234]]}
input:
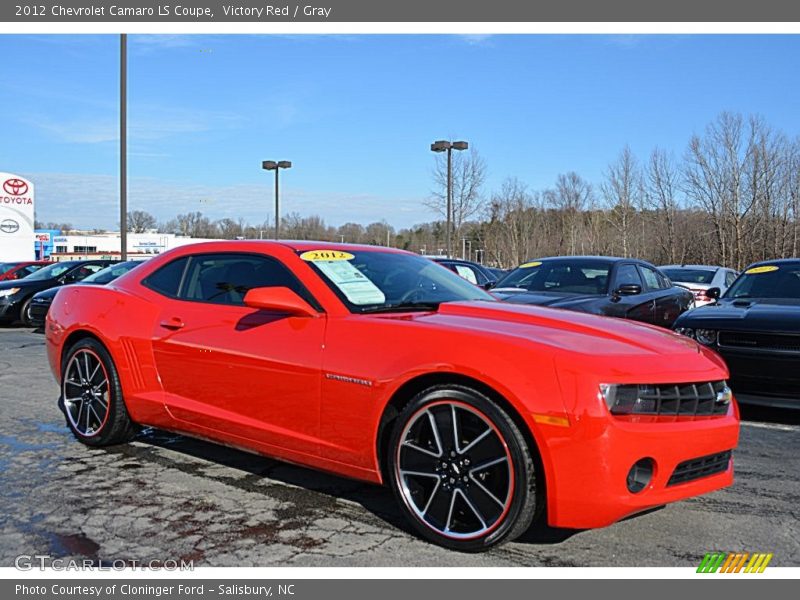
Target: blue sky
{"points": [[356, 114]]}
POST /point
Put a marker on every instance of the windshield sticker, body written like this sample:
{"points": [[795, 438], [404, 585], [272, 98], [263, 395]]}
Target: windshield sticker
{"points": [[530, 265], [758, 270], [327, 255], [353, 283]]}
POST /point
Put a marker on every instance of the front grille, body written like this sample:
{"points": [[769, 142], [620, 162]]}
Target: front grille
{"points": [[779, 342], [697, 468], [684, 399]]}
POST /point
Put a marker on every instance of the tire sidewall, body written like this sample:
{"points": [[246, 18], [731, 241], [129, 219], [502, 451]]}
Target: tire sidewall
{"points": [[524, 486], [118, 415]]}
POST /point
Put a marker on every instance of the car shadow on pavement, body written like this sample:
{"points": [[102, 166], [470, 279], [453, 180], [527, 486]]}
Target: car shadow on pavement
{"points": [[376, 499], [768, 414]]}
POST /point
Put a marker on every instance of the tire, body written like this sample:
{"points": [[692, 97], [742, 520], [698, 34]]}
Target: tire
{"points": [[468, 494], [91, 396], [23, 313]]}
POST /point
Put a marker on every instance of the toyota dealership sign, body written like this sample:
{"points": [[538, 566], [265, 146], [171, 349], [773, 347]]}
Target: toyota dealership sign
{"points": [[16, 218]]}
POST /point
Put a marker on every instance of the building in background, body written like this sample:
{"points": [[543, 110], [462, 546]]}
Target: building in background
{"points": [[43, 242], [88, 245]]}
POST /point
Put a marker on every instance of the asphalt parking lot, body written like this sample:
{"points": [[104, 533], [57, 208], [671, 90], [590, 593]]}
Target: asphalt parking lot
{"points": [[165, 497]]}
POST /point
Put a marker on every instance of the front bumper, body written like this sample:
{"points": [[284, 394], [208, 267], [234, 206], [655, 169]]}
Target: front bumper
{"points": [[38, 312], [587, 480], [9, 309]]}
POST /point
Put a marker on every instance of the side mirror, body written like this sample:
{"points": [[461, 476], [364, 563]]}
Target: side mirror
{"points": [[279, 299], [628, 289], [489, 285], [714, 293]]}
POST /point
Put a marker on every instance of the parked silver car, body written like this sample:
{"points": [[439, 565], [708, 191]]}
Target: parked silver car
{"points": [[699, 278]]}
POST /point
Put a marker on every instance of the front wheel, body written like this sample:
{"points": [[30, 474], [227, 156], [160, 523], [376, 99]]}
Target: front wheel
{"points": [[461, 470], [91, 396]]}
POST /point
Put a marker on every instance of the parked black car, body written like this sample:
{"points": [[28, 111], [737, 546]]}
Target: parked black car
{"points": [[471, 271], [601, 285], [40, 304], [15, 296], [755, 326]]}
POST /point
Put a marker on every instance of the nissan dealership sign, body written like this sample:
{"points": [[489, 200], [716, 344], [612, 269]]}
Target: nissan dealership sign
{"points": [[16, 218]]}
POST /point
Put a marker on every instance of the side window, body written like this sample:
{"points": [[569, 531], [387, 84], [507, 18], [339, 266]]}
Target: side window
{"points": [[627, 275], [84, 271], [167, 279], [467, 273], [226, 278], [730, 277], [650, 277]]}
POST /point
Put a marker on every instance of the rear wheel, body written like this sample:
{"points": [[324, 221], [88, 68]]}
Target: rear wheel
{"points": [[91, 396], [461, 470]]}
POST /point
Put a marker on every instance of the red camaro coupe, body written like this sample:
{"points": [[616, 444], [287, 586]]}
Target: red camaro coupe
{"points": [[384, 366]]}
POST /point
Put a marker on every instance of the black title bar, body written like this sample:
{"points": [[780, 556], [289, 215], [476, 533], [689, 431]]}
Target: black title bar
{"points": [[462, 11]]}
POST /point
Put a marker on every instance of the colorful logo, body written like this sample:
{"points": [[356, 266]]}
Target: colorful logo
{"points": [[15, 187], [734, 562]]}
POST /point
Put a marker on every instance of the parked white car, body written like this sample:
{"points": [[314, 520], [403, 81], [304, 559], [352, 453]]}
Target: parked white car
{"points": [[699, 278]]}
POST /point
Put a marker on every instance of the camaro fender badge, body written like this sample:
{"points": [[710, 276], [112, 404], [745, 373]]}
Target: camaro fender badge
{"points": [[325, 255], [346, 379]]}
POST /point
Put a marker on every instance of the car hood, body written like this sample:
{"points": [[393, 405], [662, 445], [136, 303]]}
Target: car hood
{"points": [[591, 335], [750, 314], [24, 284], [545, 298]]}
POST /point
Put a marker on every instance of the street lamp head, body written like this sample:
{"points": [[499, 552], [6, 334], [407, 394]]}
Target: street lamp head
{"points": [[440, 146], [269, 165], [460, 145], [285, 164]]}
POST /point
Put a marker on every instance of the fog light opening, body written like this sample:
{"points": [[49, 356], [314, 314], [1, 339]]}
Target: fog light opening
{"points": [[640, 475]]}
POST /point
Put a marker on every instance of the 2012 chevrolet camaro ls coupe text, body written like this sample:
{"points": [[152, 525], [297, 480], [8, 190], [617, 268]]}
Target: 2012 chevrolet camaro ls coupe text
{"points": [[381, 365]]}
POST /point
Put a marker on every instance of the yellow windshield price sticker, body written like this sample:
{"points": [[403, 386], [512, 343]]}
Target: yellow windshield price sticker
{"points": [[758, 270], [320, 255], [530, 265]]}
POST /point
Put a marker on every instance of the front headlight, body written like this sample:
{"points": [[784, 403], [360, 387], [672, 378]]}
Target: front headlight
{"points": [[625, 399], [9, 292], [707, 337], [687, 331]]}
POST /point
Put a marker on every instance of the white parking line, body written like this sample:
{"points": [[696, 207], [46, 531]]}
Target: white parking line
{"points": [[779, 426]]}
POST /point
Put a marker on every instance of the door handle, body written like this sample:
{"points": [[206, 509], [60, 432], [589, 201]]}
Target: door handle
{"points": [[174, 323]]}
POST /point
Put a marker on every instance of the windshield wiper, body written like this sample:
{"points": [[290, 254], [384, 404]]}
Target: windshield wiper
{"points": [[402, 306]]}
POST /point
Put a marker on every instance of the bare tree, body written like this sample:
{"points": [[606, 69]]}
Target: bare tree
{"points": [[140, 221], [662, 180], [622, 191], [570, 197], [510, 236]]}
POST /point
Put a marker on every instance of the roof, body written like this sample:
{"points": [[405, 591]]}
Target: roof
{"points": [[710, 267]]}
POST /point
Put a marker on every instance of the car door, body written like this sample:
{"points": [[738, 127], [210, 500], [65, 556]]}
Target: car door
{"points": [[639, 307], [667, 302], [246, 373]]}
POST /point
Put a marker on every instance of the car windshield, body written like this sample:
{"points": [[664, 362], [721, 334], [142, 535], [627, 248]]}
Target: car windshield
{"points": [[580, 276], [109, 274], [375, 281], [767, 281], [685, 275], [51, 271]]}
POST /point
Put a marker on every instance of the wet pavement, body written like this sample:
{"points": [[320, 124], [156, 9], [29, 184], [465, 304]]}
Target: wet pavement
{"points": [[166, 497]]}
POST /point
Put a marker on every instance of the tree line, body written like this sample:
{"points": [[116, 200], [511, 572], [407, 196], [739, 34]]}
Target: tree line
{"points": [[731, 198]]}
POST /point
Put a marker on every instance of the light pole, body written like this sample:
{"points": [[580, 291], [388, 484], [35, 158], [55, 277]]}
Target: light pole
{"points": [[442, 146], [271, 165], [123, 146]]}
